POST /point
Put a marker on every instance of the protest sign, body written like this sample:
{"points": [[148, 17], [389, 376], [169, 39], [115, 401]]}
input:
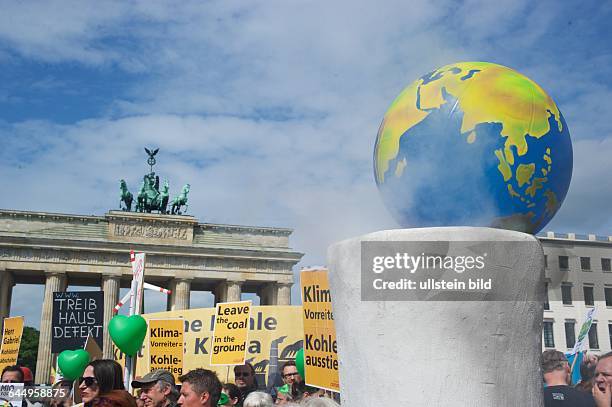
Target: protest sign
{"points": [[579, 346], [92, 347], [11, 394], [275, 336], [320, 347], [138, 266], [11, 340], [76, 315], [230, 333], [166, 345]]}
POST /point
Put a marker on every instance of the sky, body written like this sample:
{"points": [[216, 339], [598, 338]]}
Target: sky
{"points": [[270, 109]]}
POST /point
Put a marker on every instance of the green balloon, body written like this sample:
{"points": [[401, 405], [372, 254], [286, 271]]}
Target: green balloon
{"points": [[299, 363], [128, 333], [72, 363]]}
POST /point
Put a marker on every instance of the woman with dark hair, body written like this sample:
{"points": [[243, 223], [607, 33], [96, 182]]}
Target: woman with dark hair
{"points": [[100, 377]]}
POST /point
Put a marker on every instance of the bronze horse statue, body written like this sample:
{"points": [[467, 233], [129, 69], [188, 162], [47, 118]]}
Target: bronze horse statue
{"points": [[180, 200], [126, 196]]}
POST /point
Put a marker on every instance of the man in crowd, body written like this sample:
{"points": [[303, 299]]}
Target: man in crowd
{"points": [[603, 381], [300, 391], [157, 389], [244, 377], [557, 392], [290, 375], [12, 374], [199, 388]]}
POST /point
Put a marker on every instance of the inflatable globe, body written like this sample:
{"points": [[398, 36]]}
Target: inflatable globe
{"points": [[473, 144]]}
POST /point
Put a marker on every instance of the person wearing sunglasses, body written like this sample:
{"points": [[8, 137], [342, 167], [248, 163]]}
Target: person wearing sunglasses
{"points": [[100, 377], [244, 377], [290, 375]]}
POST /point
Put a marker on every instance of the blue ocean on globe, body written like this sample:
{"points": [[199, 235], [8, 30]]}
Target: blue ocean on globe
{"points": [[473, 144]]}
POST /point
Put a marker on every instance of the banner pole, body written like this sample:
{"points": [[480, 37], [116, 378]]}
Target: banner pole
{"points": [[135, 299], [576, 355], [128, 359]]}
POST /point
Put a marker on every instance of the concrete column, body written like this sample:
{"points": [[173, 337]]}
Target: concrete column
{"points": [[110, 286], [268, 294], [442, 353], [171, 300], [234, 291], [284, 294], [181, 294], [228, 291], [7, 282], [53, 282]]}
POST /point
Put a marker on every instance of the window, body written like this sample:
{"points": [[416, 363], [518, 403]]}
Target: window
{"points": [[606, 265], [585, 263], [566, 294], [546, 261], [549, 339], [588, 295], [593, 342], [563, 262], [546, 303], [570, 334], [610, 333], [608, 295]]}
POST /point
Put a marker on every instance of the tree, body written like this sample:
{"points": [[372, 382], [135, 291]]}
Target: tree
{"points": [[28, 350]]}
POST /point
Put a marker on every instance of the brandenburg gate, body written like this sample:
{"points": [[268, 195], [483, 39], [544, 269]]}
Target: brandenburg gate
{"points": [[183, 255]]}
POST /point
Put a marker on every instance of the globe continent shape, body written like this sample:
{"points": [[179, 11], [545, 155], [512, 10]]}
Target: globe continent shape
{"points": [[473, 144]]}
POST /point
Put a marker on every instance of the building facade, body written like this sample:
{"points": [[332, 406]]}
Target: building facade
{"points": [[183, 255], [578, 278]]}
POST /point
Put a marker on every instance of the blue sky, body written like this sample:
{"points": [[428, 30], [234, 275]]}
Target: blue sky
{"points": [[273, 103]]}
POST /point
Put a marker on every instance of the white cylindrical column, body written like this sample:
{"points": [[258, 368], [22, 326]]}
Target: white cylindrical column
{"points": [[442, 353], [268, 294], [110, 286], [7, 282], [228, 291], [284, 294], [183, 294], [53, 282]]}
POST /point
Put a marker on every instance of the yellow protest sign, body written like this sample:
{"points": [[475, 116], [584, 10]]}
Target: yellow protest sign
{"points": [[166, 345], [275, 336], [11, 340], [320, 348], [230, 334]]}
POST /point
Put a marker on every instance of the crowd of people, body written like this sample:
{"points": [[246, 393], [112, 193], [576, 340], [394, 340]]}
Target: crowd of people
{"points": [[102, 386], [593, 390]]}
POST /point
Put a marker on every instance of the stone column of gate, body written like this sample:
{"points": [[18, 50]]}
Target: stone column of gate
{"points": [[54, 281], [234, 291], [441, 353], [268, 294], [7, 282], [283, 296], [182, 293], [228, 291], [110, 287], [171, 300]]}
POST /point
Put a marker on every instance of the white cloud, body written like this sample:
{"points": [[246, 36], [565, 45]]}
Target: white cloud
{"points": [[275, 104]]}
